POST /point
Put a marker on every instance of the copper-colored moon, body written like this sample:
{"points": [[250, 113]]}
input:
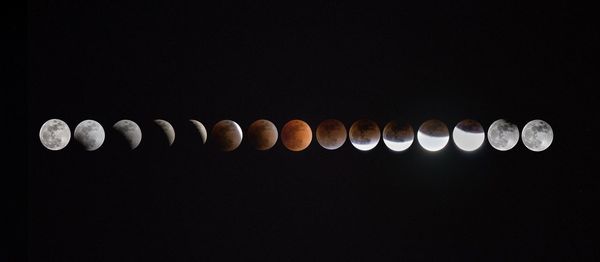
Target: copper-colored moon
{"points": [[331, 134], [296, 135], [364, 134], [262, 134], [226, 135]]}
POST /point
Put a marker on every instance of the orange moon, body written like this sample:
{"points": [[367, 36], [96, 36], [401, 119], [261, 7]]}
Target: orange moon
{"points": [[262, 134], [296, 135]]}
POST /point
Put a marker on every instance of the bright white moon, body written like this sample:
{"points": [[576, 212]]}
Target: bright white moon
{"points": [[433, 135], [503, 135], [468, 135], [55, 134], [537, 135]]}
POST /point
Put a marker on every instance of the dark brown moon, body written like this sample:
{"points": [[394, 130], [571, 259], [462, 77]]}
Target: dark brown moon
{"points": [[296, 135], [262, 134], [226, 135], [364, 134], [331, 134], [398, 136]]}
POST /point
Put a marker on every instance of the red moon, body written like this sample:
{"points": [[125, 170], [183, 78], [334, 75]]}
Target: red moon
{"points": [[296, 135]]}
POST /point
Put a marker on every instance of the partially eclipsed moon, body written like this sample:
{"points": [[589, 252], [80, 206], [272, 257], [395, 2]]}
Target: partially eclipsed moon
{"points": [[226, 135], [130, 131], [503, 135], [331, 134], [55, 134], [433, 135], [201, 130], [537, 135], [89, 134], [468, 135], [398, 137], [296, 135], [168, 129], [364, 134], [262, 134]]}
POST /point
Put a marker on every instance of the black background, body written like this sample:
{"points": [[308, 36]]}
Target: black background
{"points": [[113, 60]]}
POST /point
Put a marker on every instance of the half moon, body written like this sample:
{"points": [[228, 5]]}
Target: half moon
{"points": [[89, 134], [364, 134], [226, 135], [201, 130], [433, 135], [262, 134], [398, 137], [168, 129], [130, 131], [296, 135], [55, 134], [468, 135], [331, 134]]}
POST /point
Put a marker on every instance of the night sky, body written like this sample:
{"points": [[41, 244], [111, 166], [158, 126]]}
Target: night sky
{"points": [[189, 202]]}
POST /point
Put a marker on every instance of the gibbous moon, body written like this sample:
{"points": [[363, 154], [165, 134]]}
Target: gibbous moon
{"points": [[503, 135], [364, 134], [89, 134], [55, 134], [537, 135], [331, 134], [226, 135], [468, 135], [131, 131], [201, 130], [296, 135], [262, 134], [398, 137], [433, 135], [168, 129]]}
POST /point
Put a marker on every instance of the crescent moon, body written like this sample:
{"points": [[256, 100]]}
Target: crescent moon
{"points": [[201, 130], [168, 129]]}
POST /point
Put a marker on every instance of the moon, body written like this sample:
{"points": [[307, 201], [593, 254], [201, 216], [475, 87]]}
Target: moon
{"points": [[296, 135], [331, 134], [398, 137], [262, 134], [55, 134], [537, 135], [201, 130], [168, 129], [433, 135], [226, 135], [89, 134], [468, 135], [364, 134], [503, 135], [131, 131]]}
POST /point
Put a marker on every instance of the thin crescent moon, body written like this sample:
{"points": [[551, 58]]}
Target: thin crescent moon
{"points": [[168, 129], [201, 130]]}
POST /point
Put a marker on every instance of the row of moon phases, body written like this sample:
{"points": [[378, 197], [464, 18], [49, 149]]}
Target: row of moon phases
{"points": [[331, 134]]}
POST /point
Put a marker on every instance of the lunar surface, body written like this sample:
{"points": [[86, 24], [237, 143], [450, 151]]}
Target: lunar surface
{"points": [[201, 130], [89, 134], [226, 135], [433, 135], [537, 135], [468, 135], [503, 135], [296, 135], [364, 134], [55, 134], [331, 134], [262, 134], [398, 137], [168, 129], [130, 131]]}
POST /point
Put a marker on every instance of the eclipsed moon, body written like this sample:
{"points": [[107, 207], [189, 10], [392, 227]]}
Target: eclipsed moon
{"points": [[89, 134], [468, 135], [226, 135], [331, 134], [262, 134], [130, 131], [537, 135], [201, 130], [55, 134], [168, 129], [398, 137], [433, 135], [296, 135], [364, 134]]}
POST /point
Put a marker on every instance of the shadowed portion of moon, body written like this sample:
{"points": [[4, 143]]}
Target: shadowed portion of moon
{"points": [[262, 134], [201, 130], [296, 135], [503, 135], [364, 134], [537, 135], [130, 131], [168, 129], [89, 134], [398, 137], [55, 134], [331, 134], [433, 135], [226, 135], [468, 135]]}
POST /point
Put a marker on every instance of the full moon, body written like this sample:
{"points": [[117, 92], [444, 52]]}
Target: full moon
{"points": [[168, 129], [296, 135], [89, 134], [364, 134], [131, 131], [262, 134], [433, 135], [503, 135], [55, 134], [226, 135], [201, 130], [468, 135], [537, 135], [331, 134], [398, 137]]}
